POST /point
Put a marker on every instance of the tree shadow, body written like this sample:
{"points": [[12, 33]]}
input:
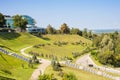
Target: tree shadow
{"points": [[6, 47], [6, 78], [45, 38], [3, 58], [9, 36]]}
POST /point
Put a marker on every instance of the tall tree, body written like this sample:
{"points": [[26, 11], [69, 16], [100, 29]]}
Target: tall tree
{"points": [[20, 22], [90, 34], [2, 20], [64, 28], [85, 33], [49, 29]]}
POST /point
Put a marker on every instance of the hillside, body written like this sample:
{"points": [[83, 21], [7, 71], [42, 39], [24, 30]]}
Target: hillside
{"points": [[60, 46], [67, 38], [11, 67], [17, 41]]}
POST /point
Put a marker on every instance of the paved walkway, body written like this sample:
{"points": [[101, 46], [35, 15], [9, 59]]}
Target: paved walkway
{"points": [[86, 60], [40, 69]]}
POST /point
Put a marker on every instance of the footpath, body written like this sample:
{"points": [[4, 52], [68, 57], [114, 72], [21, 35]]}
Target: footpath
{"points": [[40, 69]]}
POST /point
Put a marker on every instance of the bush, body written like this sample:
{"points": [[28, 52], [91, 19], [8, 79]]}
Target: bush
{"points": [[55, 65], [46, 77], [69, 76]]}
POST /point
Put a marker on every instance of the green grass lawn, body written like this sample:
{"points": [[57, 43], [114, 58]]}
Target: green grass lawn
{"points": [[66, 38], [64, 50], [59, 51], [80, 74], [17, 41], [12, 67]]}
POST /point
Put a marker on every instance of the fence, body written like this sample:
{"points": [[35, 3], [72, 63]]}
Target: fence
{"points": [[91, 70], [14, 54]]}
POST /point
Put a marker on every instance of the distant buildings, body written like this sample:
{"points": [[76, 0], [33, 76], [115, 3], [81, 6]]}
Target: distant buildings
{"points": [[31, 27]]}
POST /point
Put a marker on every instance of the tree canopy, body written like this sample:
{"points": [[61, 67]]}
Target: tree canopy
{"points": [[50, 29], [108, 48], [75, 31], [64, 28], [2, 20], [20, 22]]}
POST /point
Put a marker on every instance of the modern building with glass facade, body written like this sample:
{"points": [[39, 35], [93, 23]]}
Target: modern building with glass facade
{"points": [[9, 21], [31, 27]]}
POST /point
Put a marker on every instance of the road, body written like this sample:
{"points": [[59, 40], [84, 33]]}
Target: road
{"points": [[85, 60]]}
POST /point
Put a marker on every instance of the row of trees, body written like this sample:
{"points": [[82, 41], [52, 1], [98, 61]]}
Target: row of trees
{"points": [[108, 48], [64, 29]]}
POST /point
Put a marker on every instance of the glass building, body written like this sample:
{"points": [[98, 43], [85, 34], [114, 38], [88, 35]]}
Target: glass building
{"points": [[9, 21], [30, 20], [30, 26]]}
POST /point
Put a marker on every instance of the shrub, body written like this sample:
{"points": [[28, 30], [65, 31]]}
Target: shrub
{"points": [[55, 65], [46, 77], [69, 76]]}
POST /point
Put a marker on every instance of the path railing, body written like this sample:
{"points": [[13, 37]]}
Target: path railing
{"points": [[91, 70], [14, 54]]}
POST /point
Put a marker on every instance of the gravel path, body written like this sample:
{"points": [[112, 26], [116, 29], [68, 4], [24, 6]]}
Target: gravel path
{"points": [[40, 69]]}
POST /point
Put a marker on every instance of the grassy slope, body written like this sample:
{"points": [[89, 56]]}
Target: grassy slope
{"points": [[67, 38], [61, 51], [13, 65], [80, 74], [17, 41]]}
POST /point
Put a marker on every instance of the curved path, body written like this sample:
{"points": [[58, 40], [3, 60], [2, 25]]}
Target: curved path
{"points": [[40, 69], [86, 60]]}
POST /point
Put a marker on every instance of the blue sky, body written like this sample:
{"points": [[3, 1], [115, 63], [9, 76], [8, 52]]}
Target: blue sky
{"points": [[91, 14]]}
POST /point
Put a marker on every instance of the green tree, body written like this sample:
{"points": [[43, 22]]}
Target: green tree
{"points": [[117, 60], [49, 29], [90, 34], [64, 28], [34, 58], [45, 77], [107, 57], [2, 20], [55, 65], [69, 76], [85, 34], [75, 31], [20, 22], [96, 41]]}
